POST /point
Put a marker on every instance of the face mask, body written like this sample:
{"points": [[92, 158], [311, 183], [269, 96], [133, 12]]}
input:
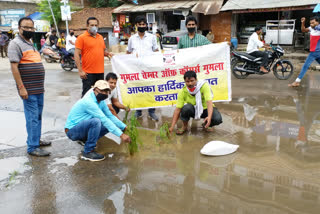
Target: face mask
{"points": [[142, 29], [101, 97], [72, 34], [93, 30], [191, 29], [192, 89], [28, 34]]}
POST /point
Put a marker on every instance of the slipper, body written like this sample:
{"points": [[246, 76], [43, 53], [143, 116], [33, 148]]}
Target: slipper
{"points": [[181, 131], [294, 84]]}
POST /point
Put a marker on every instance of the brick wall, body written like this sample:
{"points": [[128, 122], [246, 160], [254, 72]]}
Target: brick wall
{"points": [[104, 15], [78, 3], [28, 7]]}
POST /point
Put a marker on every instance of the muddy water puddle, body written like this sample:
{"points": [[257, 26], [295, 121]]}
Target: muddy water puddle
{"points": [[275, 170]]}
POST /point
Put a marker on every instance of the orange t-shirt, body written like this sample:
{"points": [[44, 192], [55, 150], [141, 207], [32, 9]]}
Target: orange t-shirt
{"points": [[92, 52]]}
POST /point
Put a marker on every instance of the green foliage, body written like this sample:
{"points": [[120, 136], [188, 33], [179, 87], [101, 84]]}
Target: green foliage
{"points": [[43, 7], [105, 3], [133, 133]]}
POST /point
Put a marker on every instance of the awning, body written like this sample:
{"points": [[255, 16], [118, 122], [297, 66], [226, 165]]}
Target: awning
{"points": [[317, 9], [238, 6], [35, 16], [163, 6], [208, 7]]}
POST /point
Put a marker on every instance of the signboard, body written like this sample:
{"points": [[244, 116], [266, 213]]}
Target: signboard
{"points": [[65, 13], [154, 80], [9, 16], [42, 25]]}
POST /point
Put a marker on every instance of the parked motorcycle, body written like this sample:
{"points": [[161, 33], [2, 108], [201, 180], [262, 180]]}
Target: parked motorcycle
{"points": [[243, 64], [67, 62]]}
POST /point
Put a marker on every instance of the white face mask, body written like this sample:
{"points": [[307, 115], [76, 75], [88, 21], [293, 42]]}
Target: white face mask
{"points": [[93, 30]]}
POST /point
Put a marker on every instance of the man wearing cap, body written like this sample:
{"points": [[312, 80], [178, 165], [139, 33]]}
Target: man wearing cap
{"points": [[90, 119]]}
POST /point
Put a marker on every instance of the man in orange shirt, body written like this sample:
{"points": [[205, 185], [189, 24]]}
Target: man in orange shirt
{"points": [[90, 45]]}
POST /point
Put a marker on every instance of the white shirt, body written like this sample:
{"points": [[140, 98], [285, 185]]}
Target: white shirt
{"points": [[254, 43], [144, 46], [68, 44], [113, 94]]}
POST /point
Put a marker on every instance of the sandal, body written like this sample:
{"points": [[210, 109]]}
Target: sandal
{"points": [[181, 131], [294, 84]]}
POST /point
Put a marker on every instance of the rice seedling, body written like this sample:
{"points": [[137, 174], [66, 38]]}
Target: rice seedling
{"points": [[133, 133]]}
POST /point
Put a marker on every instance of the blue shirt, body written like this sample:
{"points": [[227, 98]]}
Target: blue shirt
{"points": [[88, 108]]}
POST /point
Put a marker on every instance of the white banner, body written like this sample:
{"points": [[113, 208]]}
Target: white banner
{"points": [[156, 79]]}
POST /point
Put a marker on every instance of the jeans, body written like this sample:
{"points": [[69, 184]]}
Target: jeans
{"points": [[312, 56], [264, 56], [91, 129], [33, 107], [90, 81], [189, 111], [150, 110]]}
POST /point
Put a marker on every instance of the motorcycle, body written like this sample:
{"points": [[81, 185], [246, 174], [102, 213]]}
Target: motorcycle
{"points": [[67, 62], [50, 54], [243, 64]]}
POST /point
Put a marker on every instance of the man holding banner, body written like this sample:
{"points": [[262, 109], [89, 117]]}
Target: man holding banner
{"points": [[143, 43], [192, 39], [195, 100]]}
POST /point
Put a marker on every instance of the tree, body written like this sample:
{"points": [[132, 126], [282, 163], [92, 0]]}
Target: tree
{"points": [[43, 6], [105, 3]]}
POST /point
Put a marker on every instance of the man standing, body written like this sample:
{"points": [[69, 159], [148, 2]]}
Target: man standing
{"points": [[3, 44], [210, 36], [314, 30], [90, 119], [252, 48], [143, 43], [71, 41], [28, 72], [90, 45], [53, 38], [192, 39], [195, 100]]}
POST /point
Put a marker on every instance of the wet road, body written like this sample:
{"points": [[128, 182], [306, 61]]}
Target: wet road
{"points": [[276, 169]]}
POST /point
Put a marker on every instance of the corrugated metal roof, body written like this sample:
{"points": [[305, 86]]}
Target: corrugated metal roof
{"points": [[261, 4], [168, 5], [208, 7]]}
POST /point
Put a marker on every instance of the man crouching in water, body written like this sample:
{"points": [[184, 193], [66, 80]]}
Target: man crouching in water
{"points": [[91, 119], [195, 100]]}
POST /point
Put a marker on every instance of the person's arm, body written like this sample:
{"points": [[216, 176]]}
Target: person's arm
{"points": [[303, 26], [258, 42], [15, 55], [107, 53], [207, 120], [116, 102], [77, 53], [180, 44], [129, 48], [207, 96], [17, 77], [175, 119], [113, 111], [155, 47], [205, 41], [93, 110], [113, 118]]}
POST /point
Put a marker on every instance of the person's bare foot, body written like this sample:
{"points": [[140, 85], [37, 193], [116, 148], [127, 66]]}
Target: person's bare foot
{"points": [[262, 69], [294, 84]]}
